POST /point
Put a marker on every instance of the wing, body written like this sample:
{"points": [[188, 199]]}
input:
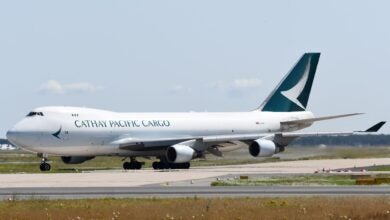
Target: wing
{"points": [[214, 143], [130, 143], [300, 122], [286, 138], [203, 142]]}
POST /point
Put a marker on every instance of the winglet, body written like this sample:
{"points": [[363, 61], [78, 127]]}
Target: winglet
{"points": [[376, 127]]}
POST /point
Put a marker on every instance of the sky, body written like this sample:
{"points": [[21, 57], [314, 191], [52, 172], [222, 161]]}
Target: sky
{"points": [[161, 56]]}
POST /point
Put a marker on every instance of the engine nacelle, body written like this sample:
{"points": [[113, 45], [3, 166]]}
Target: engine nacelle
{"points": [[179, 153], [263, 148], [75, 160]]}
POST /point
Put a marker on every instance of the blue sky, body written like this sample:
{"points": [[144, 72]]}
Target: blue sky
{"points": [[192, 55]]}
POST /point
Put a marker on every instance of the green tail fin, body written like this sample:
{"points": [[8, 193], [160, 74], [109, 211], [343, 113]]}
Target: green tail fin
{"points": [[292, 93]]}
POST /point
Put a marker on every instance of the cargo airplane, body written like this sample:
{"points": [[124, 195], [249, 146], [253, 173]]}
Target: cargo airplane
{"points": [[80, 134]]}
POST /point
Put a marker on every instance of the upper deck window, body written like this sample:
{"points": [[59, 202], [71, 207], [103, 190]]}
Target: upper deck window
{"points": [[31, 114]]}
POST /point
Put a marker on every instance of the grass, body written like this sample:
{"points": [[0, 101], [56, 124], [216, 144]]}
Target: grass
{"points": [[24, 162], [385, 168], [201, 208], [295, 180]]}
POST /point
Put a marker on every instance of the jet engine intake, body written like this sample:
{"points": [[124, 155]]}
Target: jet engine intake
{"points": [[179, 153], [263, 148]]}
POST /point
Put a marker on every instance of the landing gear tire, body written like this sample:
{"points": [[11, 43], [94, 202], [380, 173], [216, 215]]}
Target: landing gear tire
{"points": [[156, 165], [180, 165], [185, 166], [126, 165], [161, 165], [138, 165], [44, 167], [133, 165]]}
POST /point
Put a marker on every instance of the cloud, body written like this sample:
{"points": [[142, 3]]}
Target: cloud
{"points": [[237, 88], [246, 83], [55, 87], [238, 84], [179, 89]]}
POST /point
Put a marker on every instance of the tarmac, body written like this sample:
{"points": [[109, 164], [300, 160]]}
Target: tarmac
{"points": [[183, 183], [132, 178]]}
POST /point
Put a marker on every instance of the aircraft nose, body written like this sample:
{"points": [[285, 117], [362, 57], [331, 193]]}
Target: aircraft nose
{"points": [[16, 138], [22, 137], [11, 135]]}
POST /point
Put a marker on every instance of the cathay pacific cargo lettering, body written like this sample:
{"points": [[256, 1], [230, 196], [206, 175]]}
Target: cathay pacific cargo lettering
{"points": [[121, 123], [80, 134]]}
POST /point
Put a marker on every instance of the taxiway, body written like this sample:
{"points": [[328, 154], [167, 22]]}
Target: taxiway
{"points": [[181, 183]]}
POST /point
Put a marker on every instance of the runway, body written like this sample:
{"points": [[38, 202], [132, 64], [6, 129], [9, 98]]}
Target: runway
{"points": [[195, 191], [182, 183], [121, 178]]}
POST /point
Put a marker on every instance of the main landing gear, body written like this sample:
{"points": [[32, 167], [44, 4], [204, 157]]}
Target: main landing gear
{"points": [[44, 166], [132, 165], [164, 164]]}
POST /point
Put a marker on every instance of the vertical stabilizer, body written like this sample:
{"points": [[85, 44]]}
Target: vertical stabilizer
{"points": [[292, 93]]}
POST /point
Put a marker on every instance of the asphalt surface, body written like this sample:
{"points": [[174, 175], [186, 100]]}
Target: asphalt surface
{"points": [[185, 183], [196, 191], [196, 175]]}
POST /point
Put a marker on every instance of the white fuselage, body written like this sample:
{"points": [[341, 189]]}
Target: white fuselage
{"points": [[72, 131]]}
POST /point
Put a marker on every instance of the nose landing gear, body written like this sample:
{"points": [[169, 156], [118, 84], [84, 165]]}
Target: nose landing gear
{"points": [[44, 166]]}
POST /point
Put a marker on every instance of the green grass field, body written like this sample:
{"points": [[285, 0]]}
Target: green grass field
{"points": [[385, 168], [309, 180], [301, 180]]}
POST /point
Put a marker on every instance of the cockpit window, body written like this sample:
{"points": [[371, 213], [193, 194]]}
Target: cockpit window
{"points": [[31, 114]]}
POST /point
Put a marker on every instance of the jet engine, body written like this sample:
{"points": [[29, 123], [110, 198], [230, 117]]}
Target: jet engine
{"points": [[75, 160], [263, 148], [179, 153]]}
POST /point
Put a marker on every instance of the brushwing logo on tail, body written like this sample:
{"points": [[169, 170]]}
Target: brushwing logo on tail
{"points": [[293, 93]]}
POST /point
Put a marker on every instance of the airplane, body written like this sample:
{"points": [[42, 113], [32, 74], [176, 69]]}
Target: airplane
{"points": [[78, 134]]}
